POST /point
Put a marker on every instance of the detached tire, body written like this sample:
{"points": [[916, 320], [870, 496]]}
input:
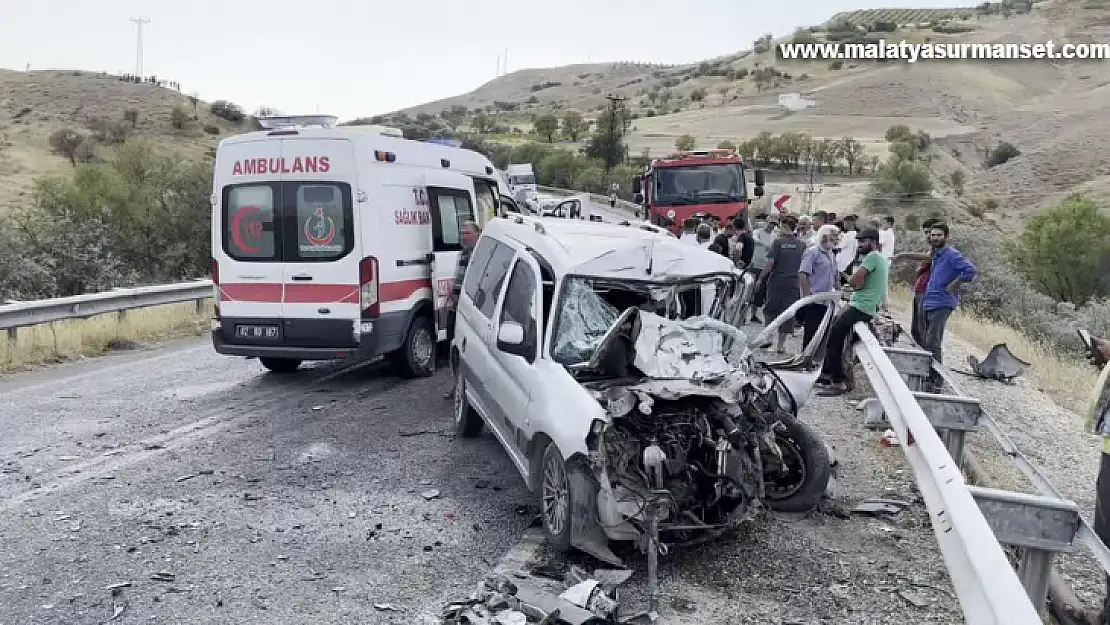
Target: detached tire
{"points": [[417, 356], [806, 462], [280, 365], [468, 424]]}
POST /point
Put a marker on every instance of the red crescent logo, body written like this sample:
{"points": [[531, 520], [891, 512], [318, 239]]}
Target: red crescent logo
{"points": [[327, 238], [237, 229], [781, 201]]}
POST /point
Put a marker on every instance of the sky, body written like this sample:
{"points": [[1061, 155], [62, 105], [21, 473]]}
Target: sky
{"points": [[360, 58]]}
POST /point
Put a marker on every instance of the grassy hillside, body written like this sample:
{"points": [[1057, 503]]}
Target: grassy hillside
{"points": [[34, 105], [870, 17]]}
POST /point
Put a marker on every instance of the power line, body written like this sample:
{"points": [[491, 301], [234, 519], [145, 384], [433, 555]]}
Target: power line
{"points": [[139, 23]]}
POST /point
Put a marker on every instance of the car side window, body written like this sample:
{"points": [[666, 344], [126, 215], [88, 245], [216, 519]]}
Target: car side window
{"points": [[479, 258], [492, 279], [519, 303]]}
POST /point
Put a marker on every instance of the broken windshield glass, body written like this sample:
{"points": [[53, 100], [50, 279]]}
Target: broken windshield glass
{"points": [[584, 318]]}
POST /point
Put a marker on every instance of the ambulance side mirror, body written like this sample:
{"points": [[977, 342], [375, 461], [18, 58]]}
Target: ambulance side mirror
{"points": [[637, 184], [760, 178]]}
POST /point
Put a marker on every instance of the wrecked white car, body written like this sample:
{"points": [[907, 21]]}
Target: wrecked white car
{"points": [[602, 358]]}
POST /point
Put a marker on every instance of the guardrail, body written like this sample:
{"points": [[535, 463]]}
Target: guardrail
{"points": [[594, 197], [24, 314], [971, 522]]}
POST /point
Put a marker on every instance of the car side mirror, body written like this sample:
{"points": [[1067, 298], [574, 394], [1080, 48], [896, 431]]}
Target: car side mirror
{"points": [[760, 178], [511, 340], [638, 198]]}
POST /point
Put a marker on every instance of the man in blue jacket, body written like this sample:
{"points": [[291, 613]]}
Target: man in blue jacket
{"points": [[950, 271]]}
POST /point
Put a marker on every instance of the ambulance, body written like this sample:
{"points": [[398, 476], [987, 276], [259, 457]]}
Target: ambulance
{"points": [[340, 242]]}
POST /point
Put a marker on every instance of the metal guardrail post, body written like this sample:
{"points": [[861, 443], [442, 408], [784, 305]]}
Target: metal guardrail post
{"points": [[954, 416], [986, 585], [914, 364], [1041, 526], [24, 314]]}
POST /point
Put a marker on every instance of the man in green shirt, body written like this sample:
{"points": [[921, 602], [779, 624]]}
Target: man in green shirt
{"points": [[869, 284]]}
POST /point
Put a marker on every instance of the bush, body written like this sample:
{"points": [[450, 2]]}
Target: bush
{"points": [[140, 217], [1002, 153], [179, 118], [67, 142], [131, 116], [1065, 251], [685, 142], [228, 111], [836, 65], [109, 132], [212, 130]]}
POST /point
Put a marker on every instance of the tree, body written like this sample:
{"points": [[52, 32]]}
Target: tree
{"points": [[956, 178], [852, 152], [903, 177], [607, 142], [1065, 250], [546, 126], [726, 145], [267, 111], [482, 123], [178, 117], [899, 132], [573, 125], [67, 142], [685, 143]]}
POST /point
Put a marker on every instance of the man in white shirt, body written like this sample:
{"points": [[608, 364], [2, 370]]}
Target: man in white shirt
{"points": [[848, 248], [886, 248]]}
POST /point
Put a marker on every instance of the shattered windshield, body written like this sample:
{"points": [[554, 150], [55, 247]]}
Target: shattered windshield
{"points": [[590, 306]]}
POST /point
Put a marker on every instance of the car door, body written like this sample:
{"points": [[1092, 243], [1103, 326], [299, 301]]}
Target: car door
{"points": [[514, 382], [482, 286], [450, 199]]}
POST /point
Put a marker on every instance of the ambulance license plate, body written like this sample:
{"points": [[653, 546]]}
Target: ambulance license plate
{"points": [[256, 332]]}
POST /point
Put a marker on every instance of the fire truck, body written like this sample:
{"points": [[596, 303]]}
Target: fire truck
{"points": [[707, 184]]}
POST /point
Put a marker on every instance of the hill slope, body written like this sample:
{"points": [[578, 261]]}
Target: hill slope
{"points": [[33, 105]]}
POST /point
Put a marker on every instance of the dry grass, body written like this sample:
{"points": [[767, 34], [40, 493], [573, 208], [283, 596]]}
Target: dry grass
{"points": [[77, 338], [1067, 380]]}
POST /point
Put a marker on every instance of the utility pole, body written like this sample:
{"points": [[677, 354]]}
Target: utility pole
{"points": [[505, 63], [139, 23], [811, 188], [617, 119]]}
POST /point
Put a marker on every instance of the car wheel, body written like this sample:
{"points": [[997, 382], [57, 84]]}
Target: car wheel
{"points": [[280, 365], [417, 356], [557, 498], [467, 422], [799, 482]]}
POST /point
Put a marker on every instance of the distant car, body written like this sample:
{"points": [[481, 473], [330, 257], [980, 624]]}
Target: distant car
{"points": [[567, 209], [602, 357]]}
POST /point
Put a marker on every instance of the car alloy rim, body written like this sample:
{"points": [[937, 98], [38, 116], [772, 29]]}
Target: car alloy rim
{"points": [[790, 482], [555, 496], [422, 347], [460, 391]]}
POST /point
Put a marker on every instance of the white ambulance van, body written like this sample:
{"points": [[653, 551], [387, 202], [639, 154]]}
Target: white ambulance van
{"points": [[340, 242]]}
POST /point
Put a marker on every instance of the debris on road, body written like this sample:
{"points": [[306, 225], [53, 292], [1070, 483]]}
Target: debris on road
{"points": [[163, 576], [184, 478], [501, 601], [880, 507], [430, 494], [387, 607]]}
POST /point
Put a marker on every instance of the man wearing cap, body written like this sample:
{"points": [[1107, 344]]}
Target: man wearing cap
{"points": [[869, 282]]}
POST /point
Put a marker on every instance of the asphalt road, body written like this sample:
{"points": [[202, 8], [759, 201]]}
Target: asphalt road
{"points": [[176, 485], [269, 499]]}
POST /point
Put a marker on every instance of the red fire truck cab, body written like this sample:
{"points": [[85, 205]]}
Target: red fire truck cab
{"points": [[702, 184]]}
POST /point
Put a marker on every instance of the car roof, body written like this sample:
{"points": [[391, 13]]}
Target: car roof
{"points": [[607, 250]]}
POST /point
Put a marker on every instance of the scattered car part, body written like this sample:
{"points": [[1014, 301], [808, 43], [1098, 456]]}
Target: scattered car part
{"points": [[1000, 364]]}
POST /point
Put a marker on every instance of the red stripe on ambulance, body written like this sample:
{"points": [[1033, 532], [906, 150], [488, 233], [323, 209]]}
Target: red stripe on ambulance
{"points": [[282, 165], [270, 293]]}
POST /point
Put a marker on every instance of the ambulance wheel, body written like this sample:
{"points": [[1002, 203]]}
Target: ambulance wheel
{"points": [[417, 356], [280, 365]]}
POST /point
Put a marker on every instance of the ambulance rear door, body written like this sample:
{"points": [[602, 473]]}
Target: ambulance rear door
{"points": [[451, 201], [246, 241], [321, 248]]}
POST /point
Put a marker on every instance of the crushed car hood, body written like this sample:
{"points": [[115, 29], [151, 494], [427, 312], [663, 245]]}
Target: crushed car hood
{"points": [[679, 358]]}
